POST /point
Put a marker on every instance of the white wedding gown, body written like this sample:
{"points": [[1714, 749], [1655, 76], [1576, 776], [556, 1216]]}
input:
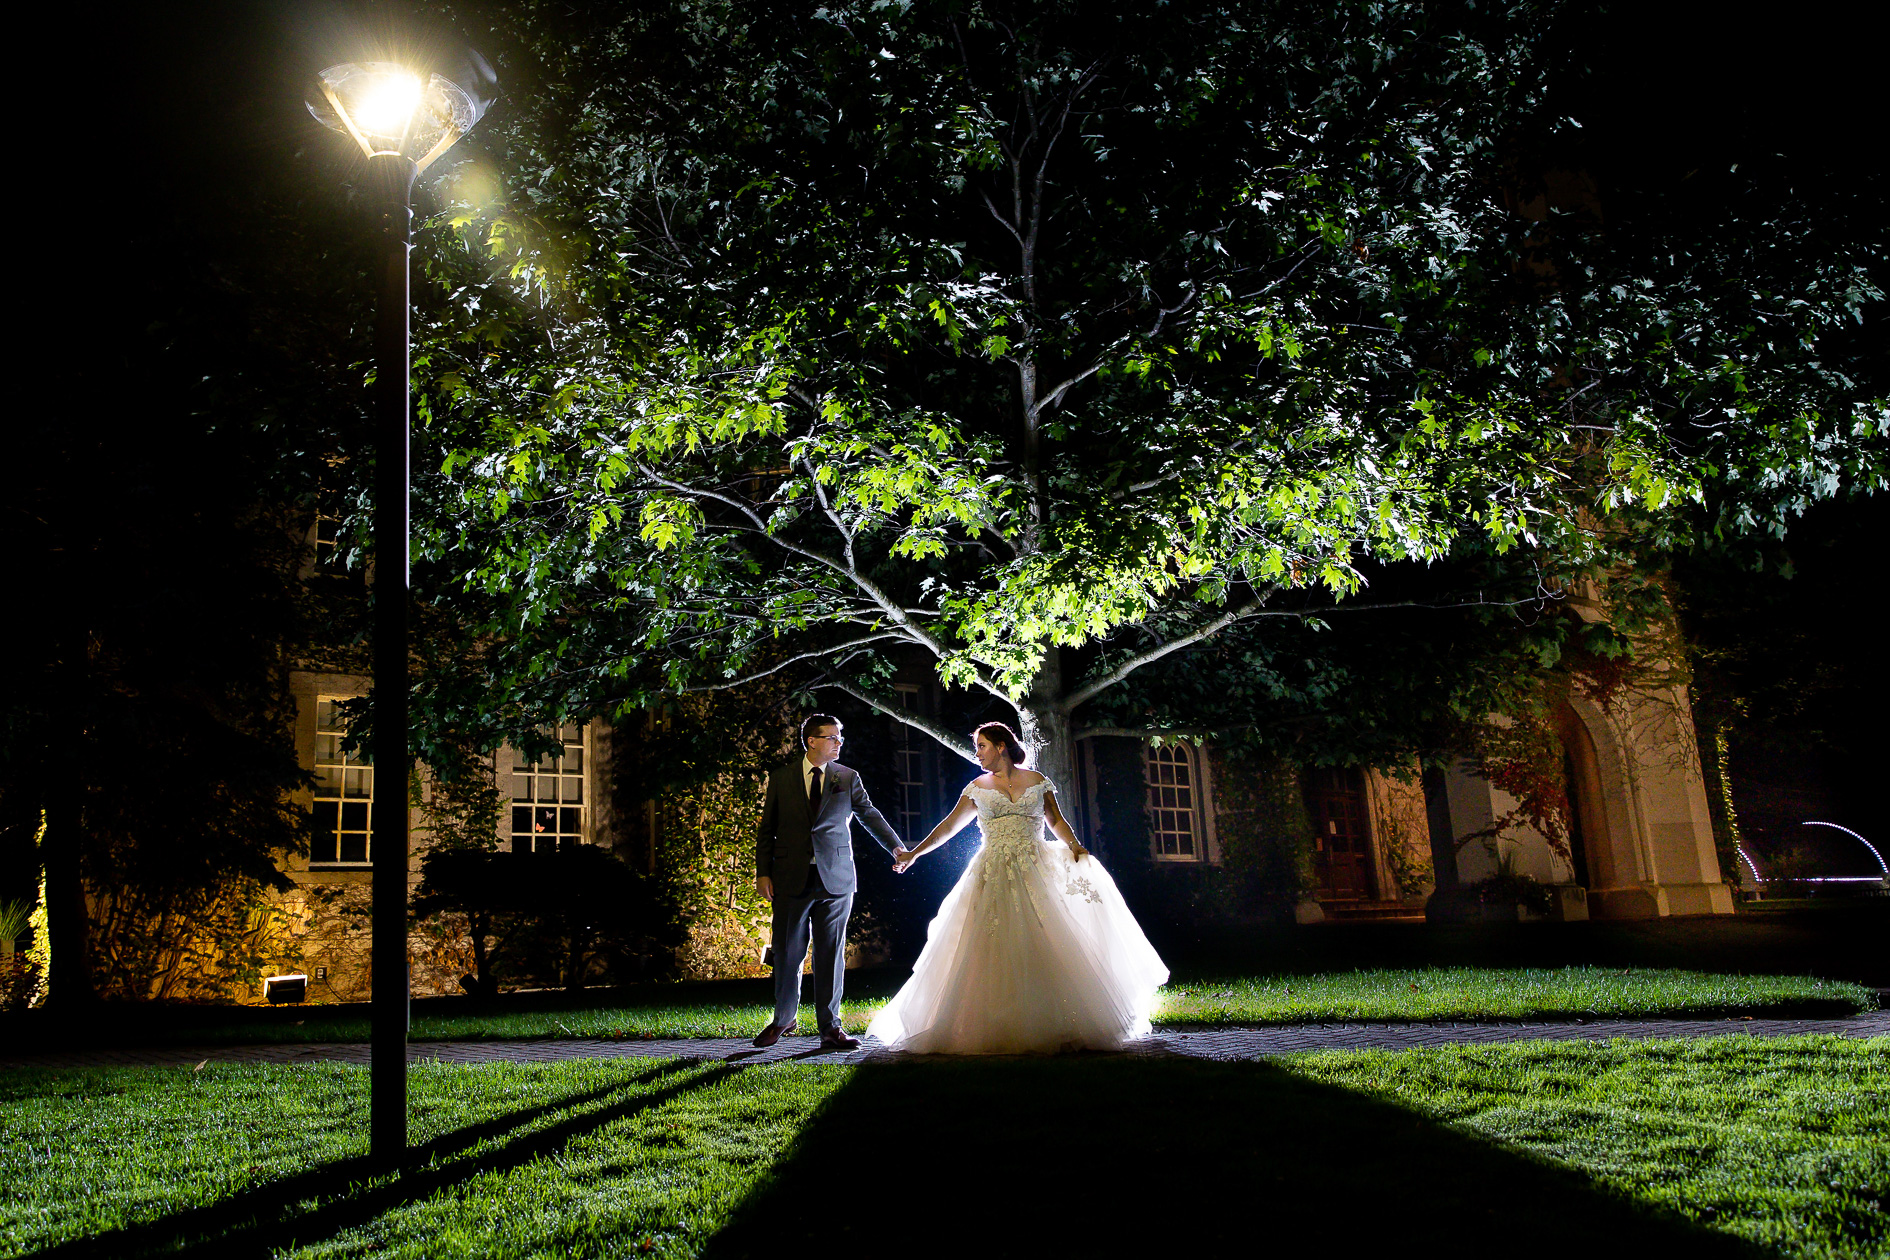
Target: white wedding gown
{"points": [[1032, 952]]}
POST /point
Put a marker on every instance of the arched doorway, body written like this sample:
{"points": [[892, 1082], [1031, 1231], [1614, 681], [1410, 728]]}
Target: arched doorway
{"points": [[1588, 839]]}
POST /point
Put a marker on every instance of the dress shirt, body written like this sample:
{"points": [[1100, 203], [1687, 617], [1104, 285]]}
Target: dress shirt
{"points": [[807, 791]]}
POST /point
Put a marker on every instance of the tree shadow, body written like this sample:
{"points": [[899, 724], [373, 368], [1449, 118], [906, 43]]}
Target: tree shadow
{"points": [[325, 1200], [1111, 1156]]}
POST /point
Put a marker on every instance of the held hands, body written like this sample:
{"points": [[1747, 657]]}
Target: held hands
{"points": [[903, 858], [1077, 851]]}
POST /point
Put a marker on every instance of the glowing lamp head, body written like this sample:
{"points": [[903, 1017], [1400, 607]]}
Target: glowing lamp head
{"points": [[383, 107], [391, 109]]}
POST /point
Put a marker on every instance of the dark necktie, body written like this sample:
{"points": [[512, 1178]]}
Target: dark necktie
{"points": [[813, 793]]}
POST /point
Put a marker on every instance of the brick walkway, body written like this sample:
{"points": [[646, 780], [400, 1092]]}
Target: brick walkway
{"points": [[1224, 1044]]}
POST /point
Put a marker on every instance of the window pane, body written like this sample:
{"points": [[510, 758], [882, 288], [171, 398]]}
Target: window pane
{"points": [[520, 761], [574, 761], [572, 734], [522, 843], [328, 780], [354, 816], [328, 748], [353, 846], [521, 787], [327, 715], [521, 820], [574, 789], [360, 783], [544, 821], [568, 821], [1172, 807], [327, 815]]}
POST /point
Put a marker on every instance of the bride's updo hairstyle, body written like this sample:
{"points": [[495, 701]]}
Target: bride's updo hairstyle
{"points": [[1004, 736]]}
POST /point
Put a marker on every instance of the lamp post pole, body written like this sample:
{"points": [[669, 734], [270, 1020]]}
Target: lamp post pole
{"points": [[392, 175], [403, 118]]}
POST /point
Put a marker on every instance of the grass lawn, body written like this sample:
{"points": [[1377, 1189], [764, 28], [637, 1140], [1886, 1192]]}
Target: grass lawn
{"points": [[743, 1007], [1728, 1146]]}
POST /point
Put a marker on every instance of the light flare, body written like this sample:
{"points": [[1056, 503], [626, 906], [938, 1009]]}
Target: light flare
{"points": [[385, 106]]}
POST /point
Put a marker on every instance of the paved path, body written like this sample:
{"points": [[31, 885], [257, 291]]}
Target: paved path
{"points": [[1223, 1044]]}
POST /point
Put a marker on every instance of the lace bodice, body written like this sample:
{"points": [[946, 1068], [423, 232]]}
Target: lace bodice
{"points": [[1011, 828], [993, 805]]}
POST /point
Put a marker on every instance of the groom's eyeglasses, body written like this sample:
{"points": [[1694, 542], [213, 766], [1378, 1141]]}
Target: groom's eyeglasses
{"points": [[838, 739]]}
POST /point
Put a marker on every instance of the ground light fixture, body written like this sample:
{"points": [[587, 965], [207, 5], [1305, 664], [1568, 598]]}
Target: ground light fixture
{"points": [[403, 116]]}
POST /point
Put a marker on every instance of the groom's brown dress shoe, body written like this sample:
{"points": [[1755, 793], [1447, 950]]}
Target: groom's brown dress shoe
{"points": [[771, 1034], [834, 1039]]}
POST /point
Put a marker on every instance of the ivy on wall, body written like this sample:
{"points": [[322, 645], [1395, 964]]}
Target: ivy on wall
{"points": [[1265, 831], [1404, 831], [703, 760]]}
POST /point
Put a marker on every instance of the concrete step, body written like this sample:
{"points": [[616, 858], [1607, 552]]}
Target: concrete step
{"points": [[1377, 911]]}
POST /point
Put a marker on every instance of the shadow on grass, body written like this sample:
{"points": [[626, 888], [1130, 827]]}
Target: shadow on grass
{"points": [[308, 1208], [1838, 942], [1114, 1157]]}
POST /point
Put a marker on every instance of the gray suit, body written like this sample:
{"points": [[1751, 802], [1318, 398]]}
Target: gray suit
{"points": [[808, 853]]}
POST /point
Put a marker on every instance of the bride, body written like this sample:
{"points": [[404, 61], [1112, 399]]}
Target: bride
{"points": [[1033, 950]]}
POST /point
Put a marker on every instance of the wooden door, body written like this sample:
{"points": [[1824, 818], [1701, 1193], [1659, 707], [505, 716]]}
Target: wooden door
{"points": [[1342, 837]]}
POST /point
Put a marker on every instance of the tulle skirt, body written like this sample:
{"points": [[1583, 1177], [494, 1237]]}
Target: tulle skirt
{"points": [[1032, 952]]}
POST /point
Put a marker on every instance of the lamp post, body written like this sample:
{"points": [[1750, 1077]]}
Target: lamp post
{"points": [[403, 119]]}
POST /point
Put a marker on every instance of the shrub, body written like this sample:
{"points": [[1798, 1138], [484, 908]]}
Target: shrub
{"points": [[562, 918]]}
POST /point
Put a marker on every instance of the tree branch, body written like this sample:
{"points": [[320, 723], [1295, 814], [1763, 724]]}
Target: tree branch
{"points": [[1140, 486], [914, 720], [792, 660], [1055, 396], [1176, 732], [866, 586], [1122, 671], [999, 216], [1253, 611]]}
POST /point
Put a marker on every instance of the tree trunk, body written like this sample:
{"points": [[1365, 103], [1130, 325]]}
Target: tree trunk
{"points": [[69, 980], [477, 927], [575, 963], [1046, 727]]}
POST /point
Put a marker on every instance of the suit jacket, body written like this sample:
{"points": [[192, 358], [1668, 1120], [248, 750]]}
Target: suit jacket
{"points": [[791, 838]]}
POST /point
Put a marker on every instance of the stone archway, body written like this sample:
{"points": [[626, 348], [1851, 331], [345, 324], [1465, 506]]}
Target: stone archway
{"points": [[1637, 791]]}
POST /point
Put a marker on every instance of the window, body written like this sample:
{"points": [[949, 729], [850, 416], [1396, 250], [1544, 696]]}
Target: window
{"points": [[344, 793], [909, 765], [1174, 802], [548, 797], [327, 535]]}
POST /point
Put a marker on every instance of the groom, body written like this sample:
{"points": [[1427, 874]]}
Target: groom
{"points": [[804, 865]]}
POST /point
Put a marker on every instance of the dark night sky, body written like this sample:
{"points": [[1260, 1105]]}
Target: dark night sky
{"points": [[1679, 87], [1680, 92]]}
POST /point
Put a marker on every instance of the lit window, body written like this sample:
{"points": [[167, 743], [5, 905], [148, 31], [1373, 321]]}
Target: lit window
{"points": [[548, 797], [344, 793], [1174, 802]]}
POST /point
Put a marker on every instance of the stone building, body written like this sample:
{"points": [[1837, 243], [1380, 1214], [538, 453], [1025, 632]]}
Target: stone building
{"points": [[1382, 840]]}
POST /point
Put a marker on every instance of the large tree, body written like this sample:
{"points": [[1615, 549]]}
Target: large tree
{"points": [[1049, 340]]}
